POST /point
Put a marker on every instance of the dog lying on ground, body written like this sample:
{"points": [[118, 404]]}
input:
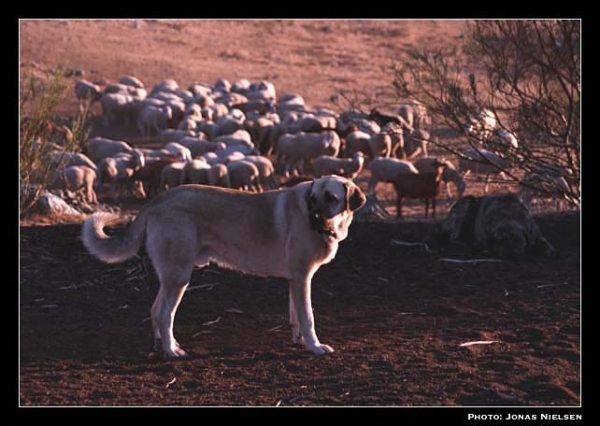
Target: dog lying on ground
{"points": [[286, 233], [500, 224]]}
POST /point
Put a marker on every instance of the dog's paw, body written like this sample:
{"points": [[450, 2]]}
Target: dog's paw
{"points": [[322, 349], [176, 351]]}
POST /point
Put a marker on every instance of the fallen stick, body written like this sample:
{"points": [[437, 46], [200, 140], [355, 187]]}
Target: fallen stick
{"points": [[212, 322], [411, 244], [447, 259], [478, 342]]}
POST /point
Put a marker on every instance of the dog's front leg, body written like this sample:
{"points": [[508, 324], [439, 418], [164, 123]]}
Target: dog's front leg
{"points": [[294, 322], [300, 287]]}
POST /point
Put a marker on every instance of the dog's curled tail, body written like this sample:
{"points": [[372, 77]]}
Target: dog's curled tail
{"points": [[115, 248]]}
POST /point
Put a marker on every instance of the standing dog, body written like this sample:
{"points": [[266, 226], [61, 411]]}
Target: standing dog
{"points": [[286, 233]]}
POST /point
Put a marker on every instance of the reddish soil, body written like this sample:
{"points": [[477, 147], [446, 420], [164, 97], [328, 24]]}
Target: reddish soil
{"points": [[396, 315]]}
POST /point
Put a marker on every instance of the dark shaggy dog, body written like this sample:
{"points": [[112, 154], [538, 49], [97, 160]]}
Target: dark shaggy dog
{"points": [[499, 224]]}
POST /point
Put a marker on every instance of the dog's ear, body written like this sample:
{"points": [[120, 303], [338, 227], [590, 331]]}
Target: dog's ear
{"points": [[355, 198]]}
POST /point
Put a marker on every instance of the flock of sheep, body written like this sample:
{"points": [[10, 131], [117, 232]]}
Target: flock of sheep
{"points": [[244, 136]]}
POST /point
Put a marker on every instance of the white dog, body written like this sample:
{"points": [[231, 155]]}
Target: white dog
{"points": [[286, 233]]}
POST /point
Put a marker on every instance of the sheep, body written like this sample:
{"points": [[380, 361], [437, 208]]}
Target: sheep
{"points": [[150, 175], [175, 135], [427, 164], [87, 93], [261, 131], [316, 123], [386, 170], [425, 185], [188, 123], [384, 118], [168, 85], [262, 90], [244, 175], [200, 89], [357, 141], [199, 146], [482, 125], [171, 174], [195, 171], [67, 158], [238, 137], [504, 139], [75, 179], [484, 162], [99, 148], [130, 80], [414, 113], [118, 108], [380, 145], [152, 120], [396, 139], [231, 122], [179, 150], [415, 144], [218, 175], [347, 167], [304, 147], [116, 171], [266, 171], [547, 182], [289, 102], [233, 149]]}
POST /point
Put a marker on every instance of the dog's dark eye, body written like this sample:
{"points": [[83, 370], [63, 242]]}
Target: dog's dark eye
{"points": [[330, 198]]}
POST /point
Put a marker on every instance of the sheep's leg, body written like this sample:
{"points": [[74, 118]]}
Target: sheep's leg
{"points": [[399, 206], [486, 183], [426, 207]]}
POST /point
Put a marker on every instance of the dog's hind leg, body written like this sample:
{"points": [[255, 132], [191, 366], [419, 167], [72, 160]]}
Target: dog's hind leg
{"points": [[300, 289], [163, 313]]}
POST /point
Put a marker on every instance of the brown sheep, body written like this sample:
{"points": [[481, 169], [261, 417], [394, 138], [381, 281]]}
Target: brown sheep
{"points": [[426, 185]]}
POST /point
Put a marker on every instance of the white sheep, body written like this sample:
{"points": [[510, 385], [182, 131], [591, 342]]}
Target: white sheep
{"points": [[380, 145], [484, 162], [179, 150], [200, 146], [429, 164], [386, 170], [244, 175], [171, 175], [175, 135], [117, 171], [304, 147], [266, 171], [347, 167], [167, 85], [153, 120], [195, 171], [415, 144], [119, 108], [61, 158], [99, 148], [414, 113], [218, 175], [87, 93], [75, 179], [130, 80], [504, 139], [547, 183], [357, 141], [482, 125]]}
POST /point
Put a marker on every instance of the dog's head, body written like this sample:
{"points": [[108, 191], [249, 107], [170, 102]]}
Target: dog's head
{"points": [[331, 200]]}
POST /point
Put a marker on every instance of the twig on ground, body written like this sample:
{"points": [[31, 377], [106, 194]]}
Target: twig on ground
{"points": [[411, 244], [212, 322], [447, 259], [478, 342]]}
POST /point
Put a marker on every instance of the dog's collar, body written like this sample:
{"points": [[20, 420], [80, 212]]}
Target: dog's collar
{"points": [[317, 223]]}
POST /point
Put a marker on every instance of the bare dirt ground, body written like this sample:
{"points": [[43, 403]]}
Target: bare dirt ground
{"points": [[395, 315]]}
